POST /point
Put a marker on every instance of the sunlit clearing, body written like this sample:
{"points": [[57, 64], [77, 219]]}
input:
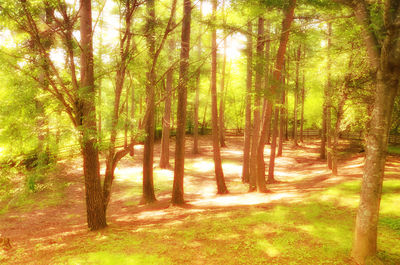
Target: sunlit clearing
{"points": [[231, 169], [244, 199], [203, 166], [268, 248], [133, 174]]}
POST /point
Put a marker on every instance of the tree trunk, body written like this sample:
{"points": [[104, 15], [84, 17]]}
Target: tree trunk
{"points": [[166, 122], [257, 105], [296, 98], [329, 101], [177, 191], [96, 216], [365, 240], [247, 128], [286, 23], [112, 160], [219, 174], [339, 116], [386, 60], [267, 85], [302, 108], [271, 168], [282, 116], [149, 122], [197, 96]]}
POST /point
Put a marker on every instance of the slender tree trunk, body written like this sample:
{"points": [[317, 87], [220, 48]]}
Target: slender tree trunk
{"points": [[271, 168], [164, 157], [247, 128], [282, 115], [267, 85], [302, 108], [149, 122], [96, 216], [257, 105], [219, 174], [132, 151], [177, 190], [339, 116], [222, 87], [296, 98], [329, 101], [197, 96], [286, 23], [113, 157]]}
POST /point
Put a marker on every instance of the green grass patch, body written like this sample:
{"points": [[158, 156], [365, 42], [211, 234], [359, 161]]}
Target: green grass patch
{"points": [[393, 150]]}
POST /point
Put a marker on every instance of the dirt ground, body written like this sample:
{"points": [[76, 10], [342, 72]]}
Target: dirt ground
{"points": [[299, 171]]}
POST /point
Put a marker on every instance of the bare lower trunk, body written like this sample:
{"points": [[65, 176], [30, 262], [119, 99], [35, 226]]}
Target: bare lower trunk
{"points": [[365, 239], [166, 122], [222, 88], [177, 190], [96, 216], [148, 195], [336, 134], [282, 118], [302, 108], [255, 139], [247, 129], [271, 168], [219, 174]]}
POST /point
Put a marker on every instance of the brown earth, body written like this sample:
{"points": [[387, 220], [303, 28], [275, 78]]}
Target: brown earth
{"points": [[299, 172]]}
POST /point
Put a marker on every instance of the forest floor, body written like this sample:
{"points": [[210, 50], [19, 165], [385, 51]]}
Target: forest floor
{"points": [[308, 217]]}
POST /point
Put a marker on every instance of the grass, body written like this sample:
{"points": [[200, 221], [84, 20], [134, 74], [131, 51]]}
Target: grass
{"points": [[393, 150], [16, 194], [317, 231]]}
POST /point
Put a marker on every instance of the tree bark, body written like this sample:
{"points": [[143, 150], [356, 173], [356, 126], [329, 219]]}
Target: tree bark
{"points": [[177, 190], [267, 85], [247, 128], [197, 96], [219, 174], [111, 160], [166, 122], [257, 105], [222, 88], [282, 114], [96, 216], [329, 101], [386, 61], [296, 98], [286, 23], [302, 108], [149, 122]]}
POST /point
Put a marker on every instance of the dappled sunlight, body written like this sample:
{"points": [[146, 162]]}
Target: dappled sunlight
{"points": [[243, 199], [128, 174], [202, 165], [268, 248], [231, 169]]}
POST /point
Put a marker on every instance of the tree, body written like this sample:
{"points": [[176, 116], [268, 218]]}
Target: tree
{"points": [[177, 191], [257, 105], [113, 156], [219, 174], [286, 23], [384, 60], [96, 215], [249, 82], [222, 88], [151, 83], [197, 96], [166, 121]]}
